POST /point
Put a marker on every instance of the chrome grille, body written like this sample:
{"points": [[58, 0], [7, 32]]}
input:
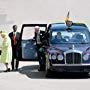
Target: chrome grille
{"points": [[73, 58]]}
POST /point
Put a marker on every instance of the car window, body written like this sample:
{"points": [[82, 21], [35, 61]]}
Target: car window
{"points": [[28, 33], [70, 37]]}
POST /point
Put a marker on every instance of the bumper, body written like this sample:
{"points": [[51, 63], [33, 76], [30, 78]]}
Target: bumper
{"points": [[70, 68]]}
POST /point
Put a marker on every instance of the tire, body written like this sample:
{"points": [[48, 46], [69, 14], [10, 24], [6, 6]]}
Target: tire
{"points": [[86, 73], [48, 73]]}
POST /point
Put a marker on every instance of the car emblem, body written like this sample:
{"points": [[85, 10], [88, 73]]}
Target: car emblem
{"points": [[72, 47]]}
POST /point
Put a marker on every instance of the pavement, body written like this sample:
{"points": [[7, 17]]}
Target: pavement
{"points": [[28, 78]]}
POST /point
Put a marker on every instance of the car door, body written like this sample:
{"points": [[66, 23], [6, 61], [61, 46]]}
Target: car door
{"points": [[27, 50]]}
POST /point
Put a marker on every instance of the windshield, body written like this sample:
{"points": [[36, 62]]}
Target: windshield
{"points": [[73, 36]]}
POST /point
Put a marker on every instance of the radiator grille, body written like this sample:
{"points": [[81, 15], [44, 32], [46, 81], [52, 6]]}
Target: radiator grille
{"points": [[73, 58]]}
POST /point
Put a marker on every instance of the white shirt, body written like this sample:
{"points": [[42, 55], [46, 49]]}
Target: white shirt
{"points": [[14, 33]]}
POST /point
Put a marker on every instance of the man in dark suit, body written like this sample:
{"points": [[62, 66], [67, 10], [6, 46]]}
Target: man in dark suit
{"points": [[37, 38], [14, 36]]}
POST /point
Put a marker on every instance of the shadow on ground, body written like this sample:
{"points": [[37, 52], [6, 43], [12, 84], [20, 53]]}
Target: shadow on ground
{"points": [[33, 73]]}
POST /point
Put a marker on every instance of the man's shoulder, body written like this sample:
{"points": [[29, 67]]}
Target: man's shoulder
{"points": [[18, 32], [10, 33]]}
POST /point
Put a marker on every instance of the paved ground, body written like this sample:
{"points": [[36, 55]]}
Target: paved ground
{"points": [[28, 78]]}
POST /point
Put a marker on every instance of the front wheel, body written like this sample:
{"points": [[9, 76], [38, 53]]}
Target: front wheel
{"points": [[86, 73]]}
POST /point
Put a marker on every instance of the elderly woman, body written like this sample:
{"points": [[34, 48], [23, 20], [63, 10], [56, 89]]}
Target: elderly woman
{"points": [[6, 55]]}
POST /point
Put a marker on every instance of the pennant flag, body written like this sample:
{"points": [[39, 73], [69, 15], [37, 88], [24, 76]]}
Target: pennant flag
{"points": [[67, 18]]}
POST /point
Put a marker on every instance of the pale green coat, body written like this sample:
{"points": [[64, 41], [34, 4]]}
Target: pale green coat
{"points": [[6, 55]]}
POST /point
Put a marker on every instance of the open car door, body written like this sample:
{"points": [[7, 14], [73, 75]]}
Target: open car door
{"points": [[27, 49]]}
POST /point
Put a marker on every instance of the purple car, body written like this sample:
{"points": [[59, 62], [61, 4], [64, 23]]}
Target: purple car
{"points": [[69, 48]]}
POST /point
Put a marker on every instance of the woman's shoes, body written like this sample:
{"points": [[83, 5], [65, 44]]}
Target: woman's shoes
{"points": [[8, 70]]}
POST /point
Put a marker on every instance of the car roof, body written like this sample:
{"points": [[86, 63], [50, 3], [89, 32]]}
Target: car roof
{"points": [[58, 26], [33, 25]]}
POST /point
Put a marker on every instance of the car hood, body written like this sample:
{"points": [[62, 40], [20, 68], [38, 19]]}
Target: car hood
{"points": [[54, 48]]}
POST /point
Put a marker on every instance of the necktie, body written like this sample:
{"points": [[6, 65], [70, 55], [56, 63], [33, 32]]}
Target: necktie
{"points": [[14, 38]]}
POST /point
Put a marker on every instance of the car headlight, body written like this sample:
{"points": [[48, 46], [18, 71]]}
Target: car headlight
{"points": [[60, 57], [86, 57], [53, 57]]}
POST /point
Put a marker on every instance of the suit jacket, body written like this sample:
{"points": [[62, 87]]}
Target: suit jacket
{"points": [[17, 39], [35, 37], [43, 38]]}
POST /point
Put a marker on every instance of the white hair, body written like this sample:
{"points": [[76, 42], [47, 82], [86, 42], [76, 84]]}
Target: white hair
{"points": [[37, 27]]}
